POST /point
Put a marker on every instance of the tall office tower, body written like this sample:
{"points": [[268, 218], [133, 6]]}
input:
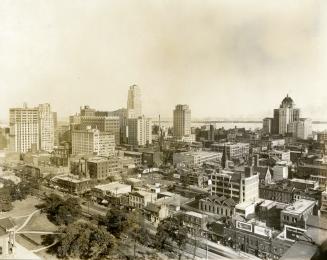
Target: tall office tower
{"points": [[122, 114], [134, 104], [24, 129], [301, 129], [139, 131], [182, 121], [287, 113], [211, 133], [267, 125], [47, 130], [4, 137], [92, 142], [110, 124]]}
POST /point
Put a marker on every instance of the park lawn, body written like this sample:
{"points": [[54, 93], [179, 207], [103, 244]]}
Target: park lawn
{"points": [[40, 222], [22, 208]]}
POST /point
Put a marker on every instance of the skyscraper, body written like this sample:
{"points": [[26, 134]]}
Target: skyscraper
{"points": [[24, 129], [110, 124], [139, 131], [267, 125], [47, 127], [31, 128], [92, 141], [285, 114], [134, 104], [182, 121], [301, 129]]}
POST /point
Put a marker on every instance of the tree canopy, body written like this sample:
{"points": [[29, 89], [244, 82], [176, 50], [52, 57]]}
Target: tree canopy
{"points": [[61, 211], [85, 241], [171, 229]]}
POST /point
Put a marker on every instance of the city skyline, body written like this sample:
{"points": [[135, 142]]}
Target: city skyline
{"points": [[203, 56]]}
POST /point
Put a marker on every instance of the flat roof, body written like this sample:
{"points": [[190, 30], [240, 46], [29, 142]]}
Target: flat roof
{"points": [[132, 152], [194, 214], [134, 179], [200, 153], [299, 206], [71, 178], [300, 250], [245, 204], [112, 186], [303, 181]]}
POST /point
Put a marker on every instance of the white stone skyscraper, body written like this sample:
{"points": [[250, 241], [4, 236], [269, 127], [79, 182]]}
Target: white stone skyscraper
{"points": [[47, 127], [182, 121], [285, 114], [139, 131], [134, 104], [31, 128], [24, 129]]}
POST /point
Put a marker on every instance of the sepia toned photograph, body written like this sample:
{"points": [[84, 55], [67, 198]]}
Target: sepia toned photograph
{"points": [[163, 129]]}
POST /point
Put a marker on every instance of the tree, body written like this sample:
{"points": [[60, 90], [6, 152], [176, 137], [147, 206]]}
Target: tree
{"points": [[173, 229], [85, 241], [61, 211], [116, 221], [321, 252], [5, 200]]}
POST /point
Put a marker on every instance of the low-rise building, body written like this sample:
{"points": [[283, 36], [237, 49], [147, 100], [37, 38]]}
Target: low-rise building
{"points": [[139, 199], [60, 155], [281, 155], [255, 238], [297, 213], [234, 151], [304, 184], [155, 213], [276, 192], [196, 158], [196, 223], [136, 156], [114, 192], [221, 206], [72, 184], [101, 168]]}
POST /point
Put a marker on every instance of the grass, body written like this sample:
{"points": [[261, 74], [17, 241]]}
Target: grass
{"points": [[22, 208], [40, 222]]}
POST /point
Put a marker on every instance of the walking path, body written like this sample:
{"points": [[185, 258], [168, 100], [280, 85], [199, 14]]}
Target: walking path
{"points": [[27, 220]]}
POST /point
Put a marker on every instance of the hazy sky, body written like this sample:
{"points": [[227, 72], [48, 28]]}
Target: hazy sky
{"points": [[224, 58]]}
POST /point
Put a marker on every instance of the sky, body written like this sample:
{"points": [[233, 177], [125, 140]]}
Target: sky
{"points": [[224, 58]]}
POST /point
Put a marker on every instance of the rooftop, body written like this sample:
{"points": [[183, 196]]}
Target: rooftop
{"points": [[303, 181], [194, 214], [299, 206], [300, 250], [71, 178], [112, 186]]}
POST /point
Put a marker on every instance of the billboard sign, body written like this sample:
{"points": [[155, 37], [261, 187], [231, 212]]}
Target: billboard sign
{"points": [[263, 231], [292, 233], [244, 226]]}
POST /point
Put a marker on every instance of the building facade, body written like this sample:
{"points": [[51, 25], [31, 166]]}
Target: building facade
{"points": [[182, 121], [139, 131], [134, 103], [110, 124], [24, 129], [92, 142], [47, 127]]}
